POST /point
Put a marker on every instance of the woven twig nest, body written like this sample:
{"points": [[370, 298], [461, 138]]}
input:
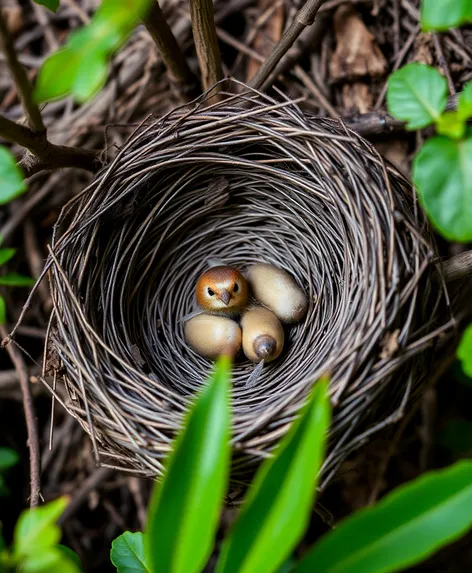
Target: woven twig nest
{"points": [[244, 180]]}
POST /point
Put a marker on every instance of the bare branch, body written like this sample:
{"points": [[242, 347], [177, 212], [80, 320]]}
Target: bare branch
{"points": [[23, 85], [305, 17], [31, 426], [169, 49], [206, 42], [458, 267]]}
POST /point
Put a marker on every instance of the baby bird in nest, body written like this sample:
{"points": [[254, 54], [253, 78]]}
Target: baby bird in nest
{"points": [[222, 290]]}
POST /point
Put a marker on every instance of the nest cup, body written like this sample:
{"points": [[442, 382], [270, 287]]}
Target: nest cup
{"points": [[245, 180]]}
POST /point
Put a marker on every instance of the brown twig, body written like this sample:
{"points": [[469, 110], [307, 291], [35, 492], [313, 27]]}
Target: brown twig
{"points": [[458, 267], [305, 17], [21, 79], [32, 429], [170, 52], [206, 42]]}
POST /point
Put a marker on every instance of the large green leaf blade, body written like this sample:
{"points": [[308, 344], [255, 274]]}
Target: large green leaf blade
{"points": [[417, 94], [53, 5], [464, 352], [127, 553], [445, 14], [16, 280], [280, 501], [12, 183], [178, 538], [404, 528], [442, 172]]}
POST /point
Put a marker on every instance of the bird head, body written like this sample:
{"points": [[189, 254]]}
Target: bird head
{"points": [[222, 290]]}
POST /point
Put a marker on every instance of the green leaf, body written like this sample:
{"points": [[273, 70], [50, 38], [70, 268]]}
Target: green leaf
{"points": [[48, 560], [184, 512], [12, 183], [451, 125], [278, 507], [445, 14], [80, 68], [16, 280], [36, 531], [3, 310], [417, 94], [127, 553], [465, 102], [6, 255], [457, 437], [70, 555], [53, 5], [404, 528], [442, 172], [8, 458], [464, 352]]}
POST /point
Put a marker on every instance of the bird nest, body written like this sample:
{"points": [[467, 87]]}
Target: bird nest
{"points": [[244, 180]]}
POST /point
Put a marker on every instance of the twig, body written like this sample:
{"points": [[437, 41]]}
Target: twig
{"points": [[169, 49], [32, 429], [206, 42], [443, 63], [21, 79], [305, 17], [458, 267]]}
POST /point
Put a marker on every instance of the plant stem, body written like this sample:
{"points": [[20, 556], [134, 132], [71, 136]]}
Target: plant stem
{"points": [[31, 426], [21, 79], [206, 42], [305, 17], [169, 49]]}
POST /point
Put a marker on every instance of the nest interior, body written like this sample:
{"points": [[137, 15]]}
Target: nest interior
{"points": [[243, 180]]}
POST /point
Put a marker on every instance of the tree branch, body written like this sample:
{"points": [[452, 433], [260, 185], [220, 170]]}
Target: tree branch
{"points": [[305, 17], [32, 429], [21, 79], [458, 267], [206, 42], [171, 54]]}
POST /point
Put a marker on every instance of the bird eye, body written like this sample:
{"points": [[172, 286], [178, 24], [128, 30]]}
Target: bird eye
{"points": [[211, 292], [236, 287]]}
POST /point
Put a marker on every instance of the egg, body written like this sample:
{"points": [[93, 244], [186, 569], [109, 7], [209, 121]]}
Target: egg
{"points": [[263, 335], [276, 289], [210, 336]]}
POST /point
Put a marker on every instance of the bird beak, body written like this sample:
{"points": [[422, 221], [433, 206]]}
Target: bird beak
{"points": [[225, 296]]}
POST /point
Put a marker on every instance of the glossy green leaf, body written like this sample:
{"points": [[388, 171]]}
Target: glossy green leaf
{"points": [[451, 125], [279, 503], [12, 182], [16, 280], [36, 529], [442, 172], [6, 255], [80, 68], [3, 310], [445, 14], [417, 94], [8, 458], [183, 516], [48, 560], [465, 102], [404, 528], [457, 437], [127, 553], [464, 352], [53, 5]]}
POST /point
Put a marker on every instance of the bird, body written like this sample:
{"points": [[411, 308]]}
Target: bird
{"points": [[263, 335], [276, 289], [210, 336], [222, 290]]}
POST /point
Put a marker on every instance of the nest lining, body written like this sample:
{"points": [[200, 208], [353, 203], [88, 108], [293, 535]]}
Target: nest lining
{"points": [[244, 180]]}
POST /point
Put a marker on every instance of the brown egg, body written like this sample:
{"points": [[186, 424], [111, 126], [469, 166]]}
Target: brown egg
{"points": [[263, 335], [222, 290], [210, 336], [276, 289]]}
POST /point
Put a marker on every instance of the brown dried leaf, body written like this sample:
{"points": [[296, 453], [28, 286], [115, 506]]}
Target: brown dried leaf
{"points": [[424, 49], [357, 53], [396, 151], [357, 98]]}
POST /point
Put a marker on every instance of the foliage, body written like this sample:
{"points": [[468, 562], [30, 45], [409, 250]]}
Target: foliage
{"points": [[464, 352], [407, 526], [12, 183], [53, 5], [444, 14], [127, 553], [36, 547], [80, 68], [8, 458]]}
